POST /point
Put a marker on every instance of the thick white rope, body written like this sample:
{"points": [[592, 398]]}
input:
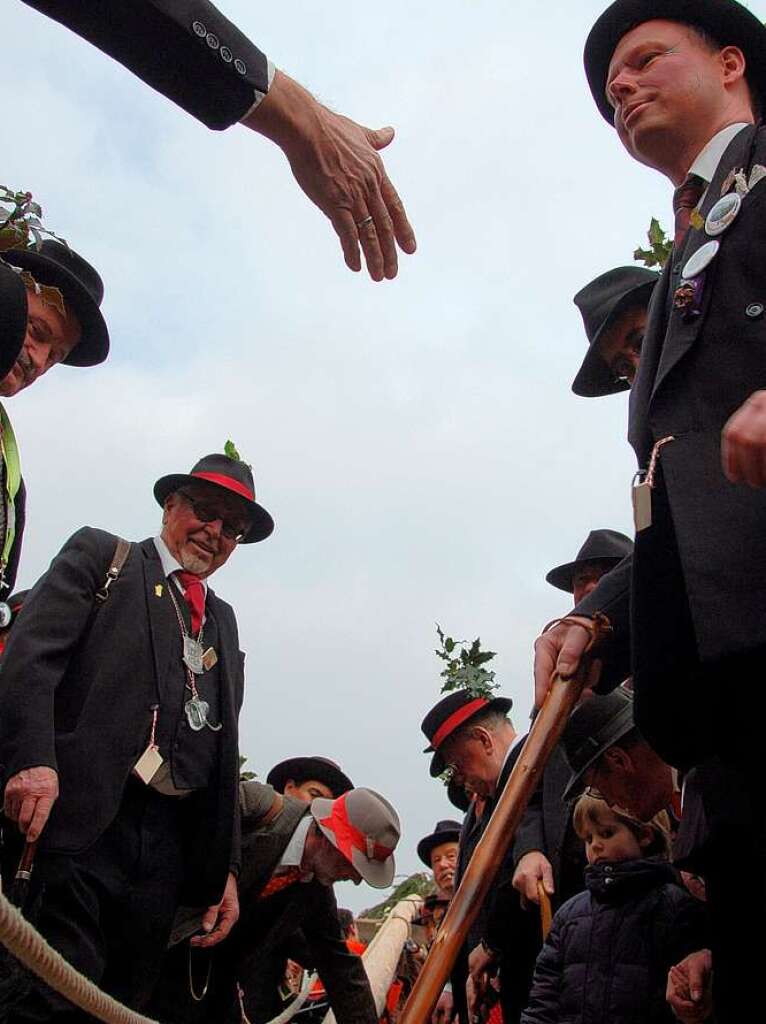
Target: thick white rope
{"points": [[31, 949]]}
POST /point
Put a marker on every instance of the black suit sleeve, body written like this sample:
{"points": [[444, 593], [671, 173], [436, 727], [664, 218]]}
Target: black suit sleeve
{"points": [[530, 835], [342, 972], [185, 49], [612, 597], [56, 615]]}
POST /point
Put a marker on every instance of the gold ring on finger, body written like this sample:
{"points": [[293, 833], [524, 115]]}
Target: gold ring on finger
{"points": [[363, 223]]}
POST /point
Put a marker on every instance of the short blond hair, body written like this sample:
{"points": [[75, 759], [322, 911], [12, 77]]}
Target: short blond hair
{"points": [[595, 811]]}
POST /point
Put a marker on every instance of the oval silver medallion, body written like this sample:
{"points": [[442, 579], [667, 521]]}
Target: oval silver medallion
{"points": [[723, 213], [702, 258]]}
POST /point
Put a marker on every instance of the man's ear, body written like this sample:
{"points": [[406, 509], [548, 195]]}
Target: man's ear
{"points": [[645, 836], [617, 761], [484, 736]]}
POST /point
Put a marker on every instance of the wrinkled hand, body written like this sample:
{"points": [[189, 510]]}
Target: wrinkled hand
{"points": [[743, 443], [219, 920], [29, 797], [533, 867], [689, 988], [479, 962], [560, 650], [335, 161], [444, 1010]]}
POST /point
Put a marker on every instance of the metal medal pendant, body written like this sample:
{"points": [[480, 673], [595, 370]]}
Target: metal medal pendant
{"points": [[196, 711], [5, 615], [702, 258], [723, 214], [193, 655]]}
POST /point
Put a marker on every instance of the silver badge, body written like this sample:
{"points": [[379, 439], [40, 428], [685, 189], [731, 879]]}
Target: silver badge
{"points": [[723, 213], [197, 711], [193, 655], [702, 258], [5, 615]]}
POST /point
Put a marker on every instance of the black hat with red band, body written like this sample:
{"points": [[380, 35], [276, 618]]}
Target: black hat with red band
{"points": [[230, 475], [453, 711]]}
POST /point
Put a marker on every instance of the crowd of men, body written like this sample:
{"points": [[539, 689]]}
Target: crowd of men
{"points": [[186, 892]]}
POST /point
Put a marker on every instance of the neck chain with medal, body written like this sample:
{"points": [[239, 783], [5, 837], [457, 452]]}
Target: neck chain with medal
{"points": [[196, 709]]}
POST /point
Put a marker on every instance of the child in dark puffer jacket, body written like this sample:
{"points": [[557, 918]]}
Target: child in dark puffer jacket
{"points": [[610, 948]]}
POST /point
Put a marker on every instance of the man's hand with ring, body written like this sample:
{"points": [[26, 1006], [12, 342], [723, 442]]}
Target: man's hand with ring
{"points": [[29, 797], [560, 650], [533, 867], [335, 161]]}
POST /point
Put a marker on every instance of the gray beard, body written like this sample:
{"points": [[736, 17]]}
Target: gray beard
{"points": [[193, 563]]}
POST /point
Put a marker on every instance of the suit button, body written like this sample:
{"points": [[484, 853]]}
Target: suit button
{"points": [[240, 66], [212, 41], [755, 310], [199, 29], [226, 54]]}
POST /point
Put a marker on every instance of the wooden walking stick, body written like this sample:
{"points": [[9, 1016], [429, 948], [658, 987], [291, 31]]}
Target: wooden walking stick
{"points": [[543, 736]]}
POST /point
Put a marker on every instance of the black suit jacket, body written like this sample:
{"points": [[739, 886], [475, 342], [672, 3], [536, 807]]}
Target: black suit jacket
{"points": [[77, 684], [255, 946], [185, 49], [694, 373]]}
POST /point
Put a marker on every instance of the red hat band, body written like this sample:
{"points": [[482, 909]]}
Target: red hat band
{"points": [[228, 482], [457, 718], [349, 838]]}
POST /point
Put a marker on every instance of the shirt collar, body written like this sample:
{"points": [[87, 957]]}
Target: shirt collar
{"points": [[293, 853], [707, 161], [169, 562]]}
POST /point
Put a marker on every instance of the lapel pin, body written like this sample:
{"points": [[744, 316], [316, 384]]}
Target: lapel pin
{"points": [[758, 172], [723, 214], [702, 258], [158, 590]]}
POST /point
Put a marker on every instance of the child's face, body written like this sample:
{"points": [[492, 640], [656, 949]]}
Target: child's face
{"points": [[611, 840]]}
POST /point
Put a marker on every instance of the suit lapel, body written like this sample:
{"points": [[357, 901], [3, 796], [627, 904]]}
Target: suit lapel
{"points": [[683, 333], [163, 623]]}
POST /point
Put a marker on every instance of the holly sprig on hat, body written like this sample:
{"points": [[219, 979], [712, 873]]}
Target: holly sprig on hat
{"points": [[230, 451], [21, 225], [464, 666], [660, 245]]}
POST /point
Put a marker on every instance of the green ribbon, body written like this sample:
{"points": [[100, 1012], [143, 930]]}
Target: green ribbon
{"points": [[10, 453]]}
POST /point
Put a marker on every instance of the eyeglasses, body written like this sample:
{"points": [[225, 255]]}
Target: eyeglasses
{"points": [[232, 529]]}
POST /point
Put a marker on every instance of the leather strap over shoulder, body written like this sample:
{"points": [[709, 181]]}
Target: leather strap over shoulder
{"points": [[119, 558]]}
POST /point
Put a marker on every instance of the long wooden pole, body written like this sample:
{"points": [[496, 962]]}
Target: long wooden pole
{"points": [[492, 847]]}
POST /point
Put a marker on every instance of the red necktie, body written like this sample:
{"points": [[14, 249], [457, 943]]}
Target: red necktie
{"points": [[278, 882], [194, 594], [685, 198]]}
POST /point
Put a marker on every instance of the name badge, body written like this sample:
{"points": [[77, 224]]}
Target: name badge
{"points": [[641, 494]]}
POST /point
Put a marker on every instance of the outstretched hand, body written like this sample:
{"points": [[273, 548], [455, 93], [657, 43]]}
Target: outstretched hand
{"points": [[335, 161]]}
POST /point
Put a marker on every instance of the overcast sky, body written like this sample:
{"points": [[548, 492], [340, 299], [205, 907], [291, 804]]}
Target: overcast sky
{"points": [[416, 441]]}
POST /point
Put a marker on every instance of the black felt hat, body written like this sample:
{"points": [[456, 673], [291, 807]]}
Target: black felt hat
{"points": [[60, 267], [600, 303], [594, 726], [13, 317], [231, 475], [606, 546], [449, 714], [444, 832], [728, 22], [301, 769]]}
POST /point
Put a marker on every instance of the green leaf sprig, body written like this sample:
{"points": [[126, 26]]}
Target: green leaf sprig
{"points": [[464, 666], [21, 225], [660, 245]]}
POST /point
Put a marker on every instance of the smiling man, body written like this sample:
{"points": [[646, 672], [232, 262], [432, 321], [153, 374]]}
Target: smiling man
{"points": [[683, 83], [120, 691], [50, 300]]}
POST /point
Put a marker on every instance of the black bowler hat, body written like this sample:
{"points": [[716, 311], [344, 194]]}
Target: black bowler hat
{"points": [[606, 546], [301, 769], [444, 832], [600, 303], [231, 475], [60, 267], [449, 714], [728, 22], [13, 317], [594, 726]]}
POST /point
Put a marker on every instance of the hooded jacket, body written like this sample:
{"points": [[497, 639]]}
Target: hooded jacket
{"points": [[610, 948]]}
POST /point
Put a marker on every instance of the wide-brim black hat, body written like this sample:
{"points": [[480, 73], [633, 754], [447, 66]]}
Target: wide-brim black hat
{"points": [[594, 726], [301, 769], [13, 317], [444, 832], [231, 475], [608, 547], [728, 22], [449, 714], [60, 267], [600, 303]]}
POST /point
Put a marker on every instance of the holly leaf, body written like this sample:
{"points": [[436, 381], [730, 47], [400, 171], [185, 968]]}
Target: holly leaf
{"points": [[230, 450]]}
